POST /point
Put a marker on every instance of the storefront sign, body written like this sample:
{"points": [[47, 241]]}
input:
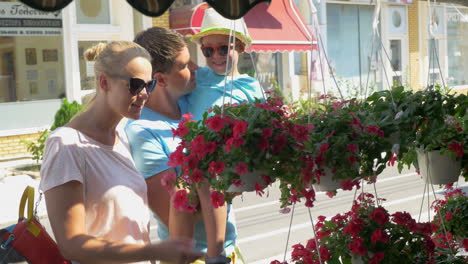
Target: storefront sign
{"points": [[456, 17], [17, 19]]}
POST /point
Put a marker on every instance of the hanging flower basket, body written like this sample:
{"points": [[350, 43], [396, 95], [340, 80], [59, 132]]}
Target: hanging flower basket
{"points": [[438, 168], [249, 182], [243, 147], [327, 183]]}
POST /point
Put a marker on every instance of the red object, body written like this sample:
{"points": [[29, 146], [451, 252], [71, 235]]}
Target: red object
{"points": [[40, 249], [275, 27]]}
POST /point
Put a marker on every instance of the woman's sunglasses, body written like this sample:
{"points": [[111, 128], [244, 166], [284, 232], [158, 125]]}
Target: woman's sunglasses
{"points": [[209, 51], [136, 85]]}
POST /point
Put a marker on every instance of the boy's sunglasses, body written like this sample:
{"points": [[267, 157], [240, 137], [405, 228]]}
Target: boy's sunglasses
{"points": [[208, 51], [136, 85]]}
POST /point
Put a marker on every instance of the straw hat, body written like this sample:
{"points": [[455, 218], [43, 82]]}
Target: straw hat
{"points": [[213, 23]]}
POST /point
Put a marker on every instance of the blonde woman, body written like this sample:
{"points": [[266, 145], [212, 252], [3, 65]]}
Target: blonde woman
{"points": [[96, 200]]}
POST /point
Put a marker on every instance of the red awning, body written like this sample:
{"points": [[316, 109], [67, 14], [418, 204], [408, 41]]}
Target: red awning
{"points": [[275, 27]]}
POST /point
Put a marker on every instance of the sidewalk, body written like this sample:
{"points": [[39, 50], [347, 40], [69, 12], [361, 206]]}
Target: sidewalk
{"points": [[11, 189]]}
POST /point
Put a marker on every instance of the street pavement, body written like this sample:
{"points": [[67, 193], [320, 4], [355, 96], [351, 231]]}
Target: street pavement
{"points": [[263, 230]]}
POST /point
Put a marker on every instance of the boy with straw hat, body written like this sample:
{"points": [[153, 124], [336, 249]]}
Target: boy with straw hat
{"points": [[220, 82], [221, 40]]}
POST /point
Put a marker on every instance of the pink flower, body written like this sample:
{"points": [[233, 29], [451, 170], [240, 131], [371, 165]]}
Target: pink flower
{"points": [[187, 116], [457, 148], [266, 179], [348, 184], [403, 218], [354, 227], [197, 146], [378, 256], [379, 235], [373, 129], [465, 244], [279, 143], [263, 144], [324, 147], [180, 200], [357, 247], [197, 176], [356, 123], [352, 159], [448, 216], [300, 132], [258, 189], [238, 142], [391, 161], [215, 123], [216, 168], [240, 127], [217, 199], [181, 131], [380, 215], [267, 132], [352, 147], [191, 161], [241, 168], [237, 182], [176, 158], [325, 253], [167, 181], [210, 147]]}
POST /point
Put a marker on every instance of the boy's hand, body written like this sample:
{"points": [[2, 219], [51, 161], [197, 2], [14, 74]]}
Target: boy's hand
{"points": [[178, 251]]}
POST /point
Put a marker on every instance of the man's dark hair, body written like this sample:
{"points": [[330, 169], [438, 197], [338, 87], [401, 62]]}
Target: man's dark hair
{"points": [[163, 44]]}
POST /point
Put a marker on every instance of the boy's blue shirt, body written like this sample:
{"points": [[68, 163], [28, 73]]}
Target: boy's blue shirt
{"points": [[210, 88]]}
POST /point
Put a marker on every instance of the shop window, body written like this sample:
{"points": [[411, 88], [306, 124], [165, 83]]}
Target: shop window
{"points": [[395, 60], [457, 46], [92, 12], [31, 54], [267, 66], [397, 20], [351, 24]]}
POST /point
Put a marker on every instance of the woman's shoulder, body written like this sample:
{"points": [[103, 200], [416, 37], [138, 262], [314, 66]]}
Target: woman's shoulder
{"points": [[66, 135]]}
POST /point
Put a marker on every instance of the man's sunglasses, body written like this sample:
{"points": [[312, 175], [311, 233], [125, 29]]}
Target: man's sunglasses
{"points": [[136, 85], [209, 51]]}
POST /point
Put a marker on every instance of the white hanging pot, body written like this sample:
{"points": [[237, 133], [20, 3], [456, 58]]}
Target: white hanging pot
{"points": [[327, 183], [248, 182], [438, 169]]}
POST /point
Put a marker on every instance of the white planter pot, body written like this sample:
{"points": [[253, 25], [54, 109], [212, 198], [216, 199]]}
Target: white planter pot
{"points": [[438, 169], [327, 183], [249, 180]]}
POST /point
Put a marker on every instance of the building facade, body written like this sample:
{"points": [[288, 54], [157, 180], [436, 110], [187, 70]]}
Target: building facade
{"points": [[405, 47], [41, 62]]}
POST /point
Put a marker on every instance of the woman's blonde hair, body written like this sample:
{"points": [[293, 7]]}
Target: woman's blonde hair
{"points": [[110, 58]]}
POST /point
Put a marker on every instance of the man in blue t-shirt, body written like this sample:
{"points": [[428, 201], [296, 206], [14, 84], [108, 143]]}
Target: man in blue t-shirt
{"points": [[152, 141]]}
